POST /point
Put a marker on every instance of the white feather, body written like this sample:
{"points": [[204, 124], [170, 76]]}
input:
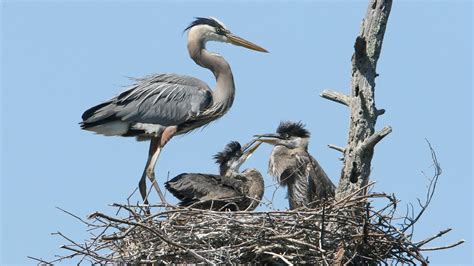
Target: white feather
{"points": [[115, 128]]}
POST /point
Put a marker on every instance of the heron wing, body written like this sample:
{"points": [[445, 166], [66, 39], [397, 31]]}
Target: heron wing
{"points": [[163, 99], [189, 187], [321, 186], [296, 178]]}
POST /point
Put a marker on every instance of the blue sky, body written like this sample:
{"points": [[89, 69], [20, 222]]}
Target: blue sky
{"points": [[59, 58]]}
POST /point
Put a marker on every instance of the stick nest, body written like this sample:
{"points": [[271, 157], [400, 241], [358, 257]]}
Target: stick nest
{"points": [[349, 231]]}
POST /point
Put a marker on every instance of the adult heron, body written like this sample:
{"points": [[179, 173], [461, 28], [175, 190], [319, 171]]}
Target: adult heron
{"points": [[230, 190], [161, 106], [295, 168]]}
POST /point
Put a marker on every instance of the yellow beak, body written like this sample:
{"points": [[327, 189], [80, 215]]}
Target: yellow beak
{"points": [[236, 40]]}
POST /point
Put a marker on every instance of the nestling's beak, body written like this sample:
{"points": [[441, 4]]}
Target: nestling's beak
{"points": [[236, 40], [249, 149], [269, 138]]}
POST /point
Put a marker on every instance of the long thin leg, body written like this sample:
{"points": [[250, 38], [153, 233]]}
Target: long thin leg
{"points": [[153, 154], [142, 186], [156, 145], [150, 170]]}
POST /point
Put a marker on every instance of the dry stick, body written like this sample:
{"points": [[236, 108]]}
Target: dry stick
{"points": [[68, 239], [414, 253], [431, 188], [280, 257], [94, 241], [135, 215], [98, 258], [43, 262], [117, 236], [153, 231], [321, 236], [441, 233], [443, 247], [351, 259], [354, 193], [77, 217]]}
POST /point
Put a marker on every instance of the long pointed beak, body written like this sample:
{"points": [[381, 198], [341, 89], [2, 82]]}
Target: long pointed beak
{"points": [[234, 39], [269, 138], [249, 149]]}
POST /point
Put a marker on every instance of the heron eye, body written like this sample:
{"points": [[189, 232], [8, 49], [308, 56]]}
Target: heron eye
{"points": [[286, 136], [219, 31]]}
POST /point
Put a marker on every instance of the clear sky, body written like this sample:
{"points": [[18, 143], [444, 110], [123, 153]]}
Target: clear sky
{"points": [[59, 58]]}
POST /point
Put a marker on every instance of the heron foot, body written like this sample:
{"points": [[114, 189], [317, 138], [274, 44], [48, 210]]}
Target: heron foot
{"points": [[151, 177]]}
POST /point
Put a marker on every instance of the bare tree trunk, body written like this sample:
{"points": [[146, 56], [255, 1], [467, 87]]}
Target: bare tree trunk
{"points": [[362, 136]]}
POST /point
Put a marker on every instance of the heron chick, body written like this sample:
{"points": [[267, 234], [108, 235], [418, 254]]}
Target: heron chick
{"points": [[161, 106], [230, 190], [293, 167]]}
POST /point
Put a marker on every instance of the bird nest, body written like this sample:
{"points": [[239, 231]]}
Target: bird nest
{"points": [[350, 230]]}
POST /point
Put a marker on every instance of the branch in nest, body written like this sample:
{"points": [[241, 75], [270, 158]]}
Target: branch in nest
{"points": [[430, 192], [443, 247]]}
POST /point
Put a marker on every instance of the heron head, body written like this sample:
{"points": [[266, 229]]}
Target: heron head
{"points": [[211, 29], [289, 134], [233, 156]]}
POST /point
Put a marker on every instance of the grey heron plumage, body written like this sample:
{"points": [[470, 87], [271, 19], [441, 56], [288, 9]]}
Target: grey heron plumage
{"points": [[230, 190], [295, 168], [161, 106]]}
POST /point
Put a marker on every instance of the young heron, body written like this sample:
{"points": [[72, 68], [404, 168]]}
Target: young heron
{"points": [[295, 168], [230, 190], [161, 106]]}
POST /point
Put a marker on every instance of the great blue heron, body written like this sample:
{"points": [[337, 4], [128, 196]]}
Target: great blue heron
{"points": [[295, 168], [161, 106], [230, 190]]}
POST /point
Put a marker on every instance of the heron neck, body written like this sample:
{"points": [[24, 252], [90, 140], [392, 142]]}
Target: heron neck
{"points": [[224, 92]]}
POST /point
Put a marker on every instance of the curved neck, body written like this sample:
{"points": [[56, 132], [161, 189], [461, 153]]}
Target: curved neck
{"points": [[224, 92]]}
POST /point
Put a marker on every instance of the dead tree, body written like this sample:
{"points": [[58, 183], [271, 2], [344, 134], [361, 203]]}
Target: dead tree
{"points": [[361, 102]]}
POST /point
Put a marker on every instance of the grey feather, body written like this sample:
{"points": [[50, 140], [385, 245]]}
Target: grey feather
{"points": [[207, 191], [232, 190], [301, 173], [163, 100]]}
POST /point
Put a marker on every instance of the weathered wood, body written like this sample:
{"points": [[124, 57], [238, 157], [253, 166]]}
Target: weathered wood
{"points": [[336, 97], [363, 114]]}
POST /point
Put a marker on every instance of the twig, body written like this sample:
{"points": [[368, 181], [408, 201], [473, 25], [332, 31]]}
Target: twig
{"points": [[423, 242], [280, 257], [43, 262], [431, 189], [443, 247]]}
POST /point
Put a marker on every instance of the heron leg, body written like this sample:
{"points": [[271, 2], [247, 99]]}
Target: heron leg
{"points": [[168, 133], [153, 154], [142, 187]]}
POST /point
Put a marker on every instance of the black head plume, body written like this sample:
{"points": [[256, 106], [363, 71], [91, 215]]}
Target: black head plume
{"points": [[220, 29], [231, 150], [292, 129]]}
